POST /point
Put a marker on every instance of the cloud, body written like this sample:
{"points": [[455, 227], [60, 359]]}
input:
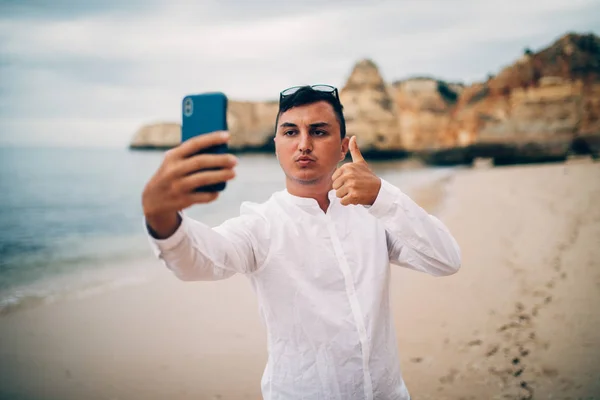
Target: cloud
{"points": [[92, 72]]}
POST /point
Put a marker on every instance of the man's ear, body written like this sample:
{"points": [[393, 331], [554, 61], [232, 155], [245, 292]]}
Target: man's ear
{"points": [[345, 145]]}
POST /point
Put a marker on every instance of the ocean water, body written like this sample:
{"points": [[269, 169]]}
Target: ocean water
{"points": [[71, 218]]}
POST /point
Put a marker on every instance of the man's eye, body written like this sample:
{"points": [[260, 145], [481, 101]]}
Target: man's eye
{"points": [[289, 133], [319, 133]]}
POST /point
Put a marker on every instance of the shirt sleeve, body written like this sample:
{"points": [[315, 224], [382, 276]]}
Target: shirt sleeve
{"points": [[415, 239], [197, 252]]}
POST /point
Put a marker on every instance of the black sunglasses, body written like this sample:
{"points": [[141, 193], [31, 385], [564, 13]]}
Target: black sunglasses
{"points": [[321, 88]]}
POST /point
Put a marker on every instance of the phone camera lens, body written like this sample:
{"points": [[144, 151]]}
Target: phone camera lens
{"points": [[188, 107]]}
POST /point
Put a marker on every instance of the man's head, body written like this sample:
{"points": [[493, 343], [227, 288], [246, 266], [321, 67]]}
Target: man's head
{"points": [[310, 134], [303, 95]]}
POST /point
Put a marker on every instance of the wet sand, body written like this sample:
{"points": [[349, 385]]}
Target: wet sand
{"points": [[519, 321]]}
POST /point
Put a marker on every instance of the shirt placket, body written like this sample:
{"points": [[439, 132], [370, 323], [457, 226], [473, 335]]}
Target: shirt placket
{"points": [[354, 305]]}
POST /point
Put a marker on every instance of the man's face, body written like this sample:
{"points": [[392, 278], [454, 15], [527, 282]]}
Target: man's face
{"points": [[308, 143]]}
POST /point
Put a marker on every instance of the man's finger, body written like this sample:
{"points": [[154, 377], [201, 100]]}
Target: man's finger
{"points": [[347, 200], [337, 183], [200, 142], [338, 172], [354, 151], [204, 161], [342, 191], [201, 198], [206, 178]]}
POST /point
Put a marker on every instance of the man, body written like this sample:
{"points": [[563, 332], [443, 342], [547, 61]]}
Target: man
{"points": [[316, 253]]}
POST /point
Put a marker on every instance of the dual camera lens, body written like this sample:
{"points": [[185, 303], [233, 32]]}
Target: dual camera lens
{"points": [[188, 107]]}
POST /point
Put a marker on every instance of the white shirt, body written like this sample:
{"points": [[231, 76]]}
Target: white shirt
{"points": [[322, 281]]}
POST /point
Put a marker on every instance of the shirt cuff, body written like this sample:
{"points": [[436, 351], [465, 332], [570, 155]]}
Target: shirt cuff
{"points": [[162, 245], [385, 199]]}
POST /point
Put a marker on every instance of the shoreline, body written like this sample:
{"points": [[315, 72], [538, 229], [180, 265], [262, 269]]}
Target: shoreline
{"points": [[77, 284]]}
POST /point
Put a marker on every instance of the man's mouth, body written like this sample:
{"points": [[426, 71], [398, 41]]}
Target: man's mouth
{"points": [[304, 161]]}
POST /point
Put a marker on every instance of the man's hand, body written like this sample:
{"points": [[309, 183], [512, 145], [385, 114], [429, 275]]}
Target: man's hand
{"points": [[354, 182], [171, 189]]}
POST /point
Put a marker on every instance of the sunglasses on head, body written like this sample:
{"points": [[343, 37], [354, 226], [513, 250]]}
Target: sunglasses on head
{"points": [[321, 88]]}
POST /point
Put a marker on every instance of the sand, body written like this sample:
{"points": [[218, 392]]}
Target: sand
{"points": [[519, 321]]}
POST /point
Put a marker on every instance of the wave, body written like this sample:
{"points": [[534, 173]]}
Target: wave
{"points": [[71, 287]]}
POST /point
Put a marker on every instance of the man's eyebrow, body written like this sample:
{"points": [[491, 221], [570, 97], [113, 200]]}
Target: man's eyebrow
{"points": [[313, 125]]}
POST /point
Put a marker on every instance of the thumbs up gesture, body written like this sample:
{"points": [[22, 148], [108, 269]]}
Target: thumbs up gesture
{"points": [[355, 183]]}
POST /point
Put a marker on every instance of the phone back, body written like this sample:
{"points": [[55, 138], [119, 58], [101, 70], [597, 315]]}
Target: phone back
{"points": [[205, 113]]}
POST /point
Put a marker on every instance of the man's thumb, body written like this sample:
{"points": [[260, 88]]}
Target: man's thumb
{"points": [[354, 151]]}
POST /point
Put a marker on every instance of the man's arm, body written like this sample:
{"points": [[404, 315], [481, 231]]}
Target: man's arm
{"points": [[415, 239], [197, 252], [192, 250]]}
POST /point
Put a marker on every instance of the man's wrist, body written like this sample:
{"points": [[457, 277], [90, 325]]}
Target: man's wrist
{"points": [[385, 198], [374, 197], [162, 226]]}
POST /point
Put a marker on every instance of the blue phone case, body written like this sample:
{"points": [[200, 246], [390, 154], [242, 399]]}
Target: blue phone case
{"points": [[205, 113]]}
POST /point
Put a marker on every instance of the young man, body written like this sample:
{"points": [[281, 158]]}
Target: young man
{"points": [[316, 253]]}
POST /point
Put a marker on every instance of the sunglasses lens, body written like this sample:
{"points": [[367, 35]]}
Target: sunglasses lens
{"points": [[290, 91], [324, 88]]}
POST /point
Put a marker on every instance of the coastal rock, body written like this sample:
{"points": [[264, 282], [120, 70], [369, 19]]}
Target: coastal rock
{"points": [[162, 135], [538, 105], [552, 94], [544, 106], [369, 109], [251, 124], [425, 110]]}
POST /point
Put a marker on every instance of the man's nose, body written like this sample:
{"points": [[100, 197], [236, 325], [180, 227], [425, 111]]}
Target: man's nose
{"points": [[305, 143]]}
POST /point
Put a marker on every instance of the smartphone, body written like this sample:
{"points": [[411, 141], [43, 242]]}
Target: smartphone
{"points": [[204, 113]]}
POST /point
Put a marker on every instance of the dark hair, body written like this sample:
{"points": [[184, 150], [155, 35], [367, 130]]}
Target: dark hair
{"points": [[307, 95]]}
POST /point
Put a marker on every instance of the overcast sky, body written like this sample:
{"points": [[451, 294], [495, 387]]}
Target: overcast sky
{"points": [[92, 72]]}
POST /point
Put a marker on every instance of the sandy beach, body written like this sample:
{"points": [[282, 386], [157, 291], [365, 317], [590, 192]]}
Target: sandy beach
{"points": [[519, 321]]}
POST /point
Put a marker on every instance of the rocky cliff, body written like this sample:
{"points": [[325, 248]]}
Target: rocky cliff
{"points": [[157, 136], [425, 107], [545, 94], [536, 108], [369, 109], [252, 124]]}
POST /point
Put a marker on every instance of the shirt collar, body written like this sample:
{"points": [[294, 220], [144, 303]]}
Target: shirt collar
{"points": [[307, 201]]}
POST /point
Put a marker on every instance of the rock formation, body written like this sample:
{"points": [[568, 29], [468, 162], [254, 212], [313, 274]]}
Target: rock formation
{"points": [[251, 124], [425, 108], [157, 136], [542, 107], [369, 109], [538, 105]]}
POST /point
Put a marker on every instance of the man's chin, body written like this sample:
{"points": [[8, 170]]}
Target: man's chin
{"points": [[306, 177]]}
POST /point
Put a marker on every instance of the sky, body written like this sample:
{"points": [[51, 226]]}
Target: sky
{"points": [[91, 73]]}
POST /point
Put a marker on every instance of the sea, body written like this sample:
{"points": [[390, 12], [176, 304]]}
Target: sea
{"points": [[71, 221]]}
